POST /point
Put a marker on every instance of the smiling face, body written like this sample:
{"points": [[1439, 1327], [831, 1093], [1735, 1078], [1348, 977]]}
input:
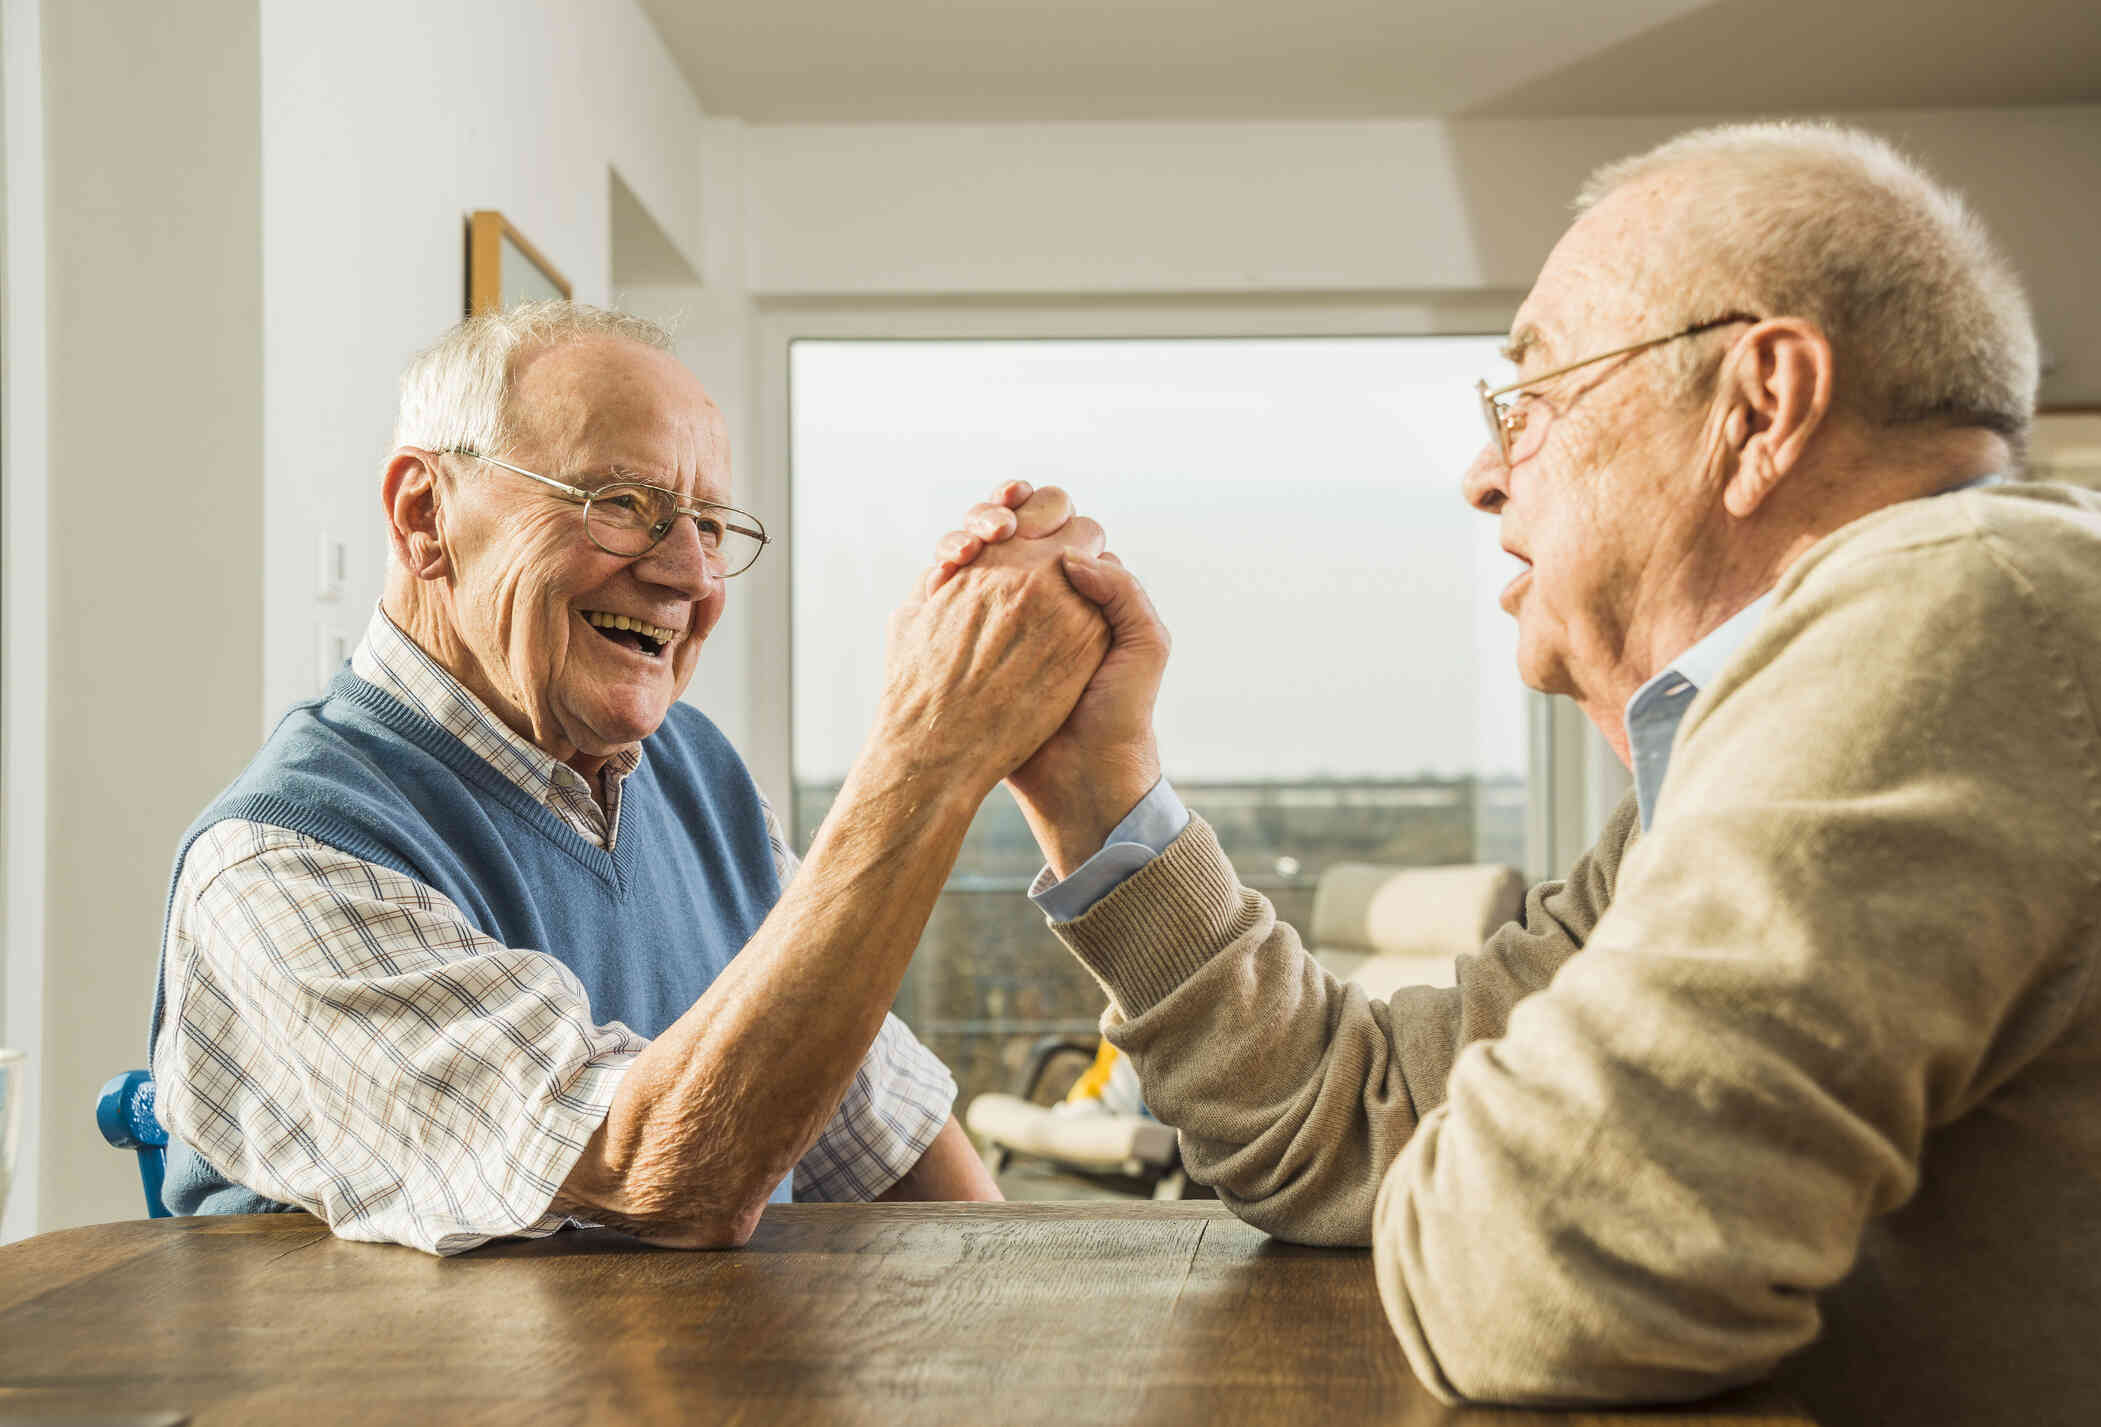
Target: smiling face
{"points": [[529, 602], [1605, 500]]}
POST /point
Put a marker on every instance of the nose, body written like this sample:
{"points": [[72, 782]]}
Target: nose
{"points": [[680, 562], [1486, 485]]}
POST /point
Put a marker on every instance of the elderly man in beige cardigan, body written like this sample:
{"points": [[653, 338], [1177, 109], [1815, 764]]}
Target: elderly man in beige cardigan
{"points": [[1798, 1073]]}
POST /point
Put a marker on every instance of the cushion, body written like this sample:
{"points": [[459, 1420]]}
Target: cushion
{"points": [[1366, 910], [1120, 1143]]}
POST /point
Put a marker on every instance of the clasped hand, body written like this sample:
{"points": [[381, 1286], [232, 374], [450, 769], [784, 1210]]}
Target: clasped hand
{"points": [[1097, 755]]}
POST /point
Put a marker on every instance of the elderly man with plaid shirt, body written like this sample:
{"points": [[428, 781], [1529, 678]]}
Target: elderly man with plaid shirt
{"points": [[498, 935]]}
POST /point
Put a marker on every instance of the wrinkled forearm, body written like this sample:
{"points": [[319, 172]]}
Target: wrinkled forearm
{"points": [[721, 1106], [949, 1171]]}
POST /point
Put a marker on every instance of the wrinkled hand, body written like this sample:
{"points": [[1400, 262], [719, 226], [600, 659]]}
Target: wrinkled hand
{"points": [[1016, 509], [985, 665], [1104, 757]]}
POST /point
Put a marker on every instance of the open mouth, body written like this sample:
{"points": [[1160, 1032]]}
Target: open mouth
{"points": [[1517, 581], [631, 633]]}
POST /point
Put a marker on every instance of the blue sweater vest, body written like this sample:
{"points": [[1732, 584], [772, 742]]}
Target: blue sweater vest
{"points": [[646, 927]]}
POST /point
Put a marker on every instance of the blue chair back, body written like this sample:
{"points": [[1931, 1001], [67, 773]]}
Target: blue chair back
{"points": [[124, 1114]]}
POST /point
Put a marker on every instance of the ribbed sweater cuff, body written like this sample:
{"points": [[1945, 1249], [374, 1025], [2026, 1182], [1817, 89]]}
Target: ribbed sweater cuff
{"points": [[1162, 923]]}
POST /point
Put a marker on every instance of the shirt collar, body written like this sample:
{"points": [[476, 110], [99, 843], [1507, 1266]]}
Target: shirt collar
{"points": [[1659, 706], [1701, 664], [388, 658]]}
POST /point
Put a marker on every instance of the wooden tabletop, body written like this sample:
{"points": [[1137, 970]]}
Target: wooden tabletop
{"points": [[950, 1313]]}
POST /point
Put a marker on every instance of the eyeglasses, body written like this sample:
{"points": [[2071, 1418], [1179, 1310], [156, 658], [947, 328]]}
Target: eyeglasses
{"points": [[629, 518], [1505, 413]]}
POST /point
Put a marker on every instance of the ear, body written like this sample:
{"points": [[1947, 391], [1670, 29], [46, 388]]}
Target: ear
{"points": [[408, 493], [1777, 381]]}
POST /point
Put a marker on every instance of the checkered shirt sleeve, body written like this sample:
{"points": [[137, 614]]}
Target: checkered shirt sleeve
{"points": [[340, 1037]]}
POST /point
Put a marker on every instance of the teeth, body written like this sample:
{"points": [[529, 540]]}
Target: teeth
{"points": [[620, 621]]}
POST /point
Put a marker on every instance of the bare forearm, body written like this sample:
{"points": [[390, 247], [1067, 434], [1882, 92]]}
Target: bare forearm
{"points": [[721, 1106], [1072, 812], [950, 1169]]}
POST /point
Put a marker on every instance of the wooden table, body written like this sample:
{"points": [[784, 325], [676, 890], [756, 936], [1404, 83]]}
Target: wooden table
{"points": [[1014, 1313]]}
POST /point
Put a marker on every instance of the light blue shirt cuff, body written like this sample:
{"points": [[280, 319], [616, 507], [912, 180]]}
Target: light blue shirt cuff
{"points": [[1143, 835]]}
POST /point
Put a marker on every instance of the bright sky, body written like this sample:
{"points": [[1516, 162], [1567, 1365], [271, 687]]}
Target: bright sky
{"points": [[1292, 505]]}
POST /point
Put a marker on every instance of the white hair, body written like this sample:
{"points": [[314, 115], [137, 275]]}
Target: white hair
{"points": [[1925, 315], [455, 396]]}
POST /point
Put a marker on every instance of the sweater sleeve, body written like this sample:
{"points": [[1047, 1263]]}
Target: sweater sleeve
{"points": [[1858, 910], [1293, 1092]]}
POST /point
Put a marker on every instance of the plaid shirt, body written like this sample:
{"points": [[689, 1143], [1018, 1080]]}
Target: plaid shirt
{"points": [[315, 999]]}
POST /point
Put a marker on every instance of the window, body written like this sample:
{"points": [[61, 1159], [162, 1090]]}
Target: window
{"points": [[1343, 684]]}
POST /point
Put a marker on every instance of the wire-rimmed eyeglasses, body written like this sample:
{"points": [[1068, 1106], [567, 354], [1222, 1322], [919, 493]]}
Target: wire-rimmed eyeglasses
{"points": [[1502, 407], [629, 518]]}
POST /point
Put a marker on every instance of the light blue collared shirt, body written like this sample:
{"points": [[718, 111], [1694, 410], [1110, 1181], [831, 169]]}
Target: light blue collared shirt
{"points": [[1659, 706], [1142, 835]]}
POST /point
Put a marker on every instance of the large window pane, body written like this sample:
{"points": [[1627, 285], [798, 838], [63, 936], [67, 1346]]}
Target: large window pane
{"points": [[1342, 686]]}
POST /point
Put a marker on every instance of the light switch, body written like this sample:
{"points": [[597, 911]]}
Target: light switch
{"points": [[331, 650], [333, 568]]}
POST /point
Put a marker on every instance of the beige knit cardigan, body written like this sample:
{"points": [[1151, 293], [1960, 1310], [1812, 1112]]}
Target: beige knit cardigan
{"points": [[1805, 1080]]}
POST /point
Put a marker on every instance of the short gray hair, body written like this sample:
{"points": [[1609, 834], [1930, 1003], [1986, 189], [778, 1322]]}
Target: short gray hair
{"points": [[456, 395], [1813, 220]]}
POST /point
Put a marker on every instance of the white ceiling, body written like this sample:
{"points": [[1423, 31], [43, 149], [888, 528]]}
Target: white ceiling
{"points": [[817, 60]]}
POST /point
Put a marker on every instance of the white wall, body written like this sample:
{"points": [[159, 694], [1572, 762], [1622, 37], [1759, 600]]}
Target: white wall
{"points": [[148, 620], [384, 124], [25, 516]]}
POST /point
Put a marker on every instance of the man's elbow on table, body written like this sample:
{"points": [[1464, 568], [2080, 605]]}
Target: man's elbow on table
{"points": [[656, 1196], [708, 1231], [716, 1232], [1501, 1310], [685, 1227], [1512, 1345], [1316, 1216]]}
